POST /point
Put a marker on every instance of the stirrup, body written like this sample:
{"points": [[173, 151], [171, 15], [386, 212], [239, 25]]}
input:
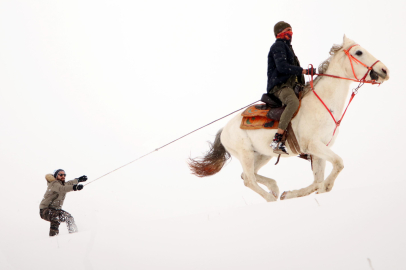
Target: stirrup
{"points": [[280, 149], [278, 146]]}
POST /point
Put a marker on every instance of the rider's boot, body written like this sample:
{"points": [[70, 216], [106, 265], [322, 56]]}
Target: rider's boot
{"points": [[278, 146]]}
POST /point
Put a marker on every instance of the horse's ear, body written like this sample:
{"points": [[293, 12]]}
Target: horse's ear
{"points": [[347, 41]]}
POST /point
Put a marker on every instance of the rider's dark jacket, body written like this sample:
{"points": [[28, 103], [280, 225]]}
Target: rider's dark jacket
{"points": [[282, 65]]}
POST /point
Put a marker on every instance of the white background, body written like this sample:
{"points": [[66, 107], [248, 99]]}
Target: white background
{"points": [[88, 86]]}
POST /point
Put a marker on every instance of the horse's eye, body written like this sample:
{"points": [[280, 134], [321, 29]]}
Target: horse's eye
{"points": [[359, 53]]}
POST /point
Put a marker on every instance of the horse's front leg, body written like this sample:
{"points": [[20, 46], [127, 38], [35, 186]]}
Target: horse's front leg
{"points": [[321, 151], [318, 167]]}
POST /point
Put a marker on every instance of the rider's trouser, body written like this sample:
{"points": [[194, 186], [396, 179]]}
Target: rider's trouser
{"points": [[288, 98]]}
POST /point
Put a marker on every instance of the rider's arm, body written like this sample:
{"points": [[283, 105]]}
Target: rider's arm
{"points": [[281, 62]]}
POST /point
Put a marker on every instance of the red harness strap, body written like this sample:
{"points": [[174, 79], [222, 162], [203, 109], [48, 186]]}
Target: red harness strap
{"points": [[335, 121], [355, 91]]}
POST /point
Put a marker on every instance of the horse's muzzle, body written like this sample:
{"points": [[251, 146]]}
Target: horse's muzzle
{"points": [[374, 75], [381, 73]]}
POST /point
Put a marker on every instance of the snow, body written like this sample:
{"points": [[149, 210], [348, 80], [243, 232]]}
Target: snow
{"points": [[336, 230], [88, 86]]}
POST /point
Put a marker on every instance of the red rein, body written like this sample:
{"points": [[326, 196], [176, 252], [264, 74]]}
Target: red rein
{"points": [[354, 92]]}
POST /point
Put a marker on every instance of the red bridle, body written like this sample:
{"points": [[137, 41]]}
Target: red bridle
{"points": [[354, 92]]}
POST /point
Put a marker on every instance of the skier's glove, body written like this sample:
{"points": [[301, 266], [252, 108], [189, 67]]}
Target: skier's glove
{"points": [[83, 178], [77, 187], [309, 71]]}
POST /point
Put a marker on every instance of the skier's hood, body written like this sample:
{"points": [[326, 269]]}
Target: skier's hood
{"points": [[50, 177]]}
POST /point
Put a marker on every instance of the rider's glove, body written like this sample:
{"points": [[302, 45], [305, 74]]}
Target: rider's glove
{"points": [[77, 187], [83, 178], [309, 71]]}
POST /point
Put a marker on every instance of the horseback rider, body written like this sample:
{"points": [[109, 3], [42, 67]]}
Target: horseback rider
{"points": [[284, 74]]}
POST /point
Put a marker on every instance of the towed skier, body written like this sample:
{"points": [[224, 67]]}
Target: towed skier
{"points": [[51, 204]]}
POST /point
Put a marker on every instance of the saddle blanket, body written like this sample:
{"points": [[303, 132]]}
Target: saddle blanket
{"points": [[254, 118]]}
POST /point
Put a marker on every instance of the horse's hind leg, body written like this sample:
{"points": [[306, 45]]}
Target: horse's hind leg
{"points": [[260, 161], [247, 159], [318, 173], [269, 183]]}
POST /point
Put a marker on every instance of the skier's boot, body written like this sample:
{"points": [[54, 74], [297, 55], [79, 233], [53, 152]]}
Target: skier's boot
{"points": [[53, 231], [278, 146], [72, 228]]}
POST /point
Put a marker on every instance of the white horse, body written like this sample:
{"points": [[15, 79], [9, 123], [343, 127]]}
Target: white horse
{"points": [[313, 127]]}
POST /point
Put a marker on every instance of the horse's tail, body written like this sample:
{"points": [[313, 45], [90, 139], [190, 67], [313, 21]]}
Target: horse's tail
{"points": [[213, 161]]}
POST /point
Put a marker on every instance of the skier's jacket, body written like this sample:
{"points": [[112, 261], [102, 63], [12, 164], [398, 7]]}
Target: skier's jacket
{"points": [[282, 64], [56, 192]]}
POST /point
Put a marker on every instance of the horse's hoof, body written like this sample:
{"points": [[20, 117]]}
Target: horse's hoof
{"points": [[274, 194], [283, 196]]}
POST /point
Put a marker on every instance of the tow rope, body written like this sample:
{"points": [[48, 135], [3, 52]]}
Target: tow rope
{"points": [[170, 143]]}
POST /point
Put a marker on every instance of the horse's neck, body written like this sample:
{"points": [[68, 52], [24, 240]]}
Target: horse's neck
{"points": [[333, 91]]}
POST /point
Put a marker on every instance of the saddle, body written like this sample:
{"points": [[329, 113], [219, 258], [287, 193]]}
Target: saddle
{"points": [[267, 116]]}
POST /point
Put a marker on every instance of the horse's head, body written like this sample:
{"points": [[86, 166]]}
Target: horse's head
{"points": [[358, 60]]}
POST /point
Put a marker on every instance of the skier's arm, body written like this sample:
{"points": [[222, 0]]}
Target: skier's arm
{"points": [[58, 187], [72, 182]]}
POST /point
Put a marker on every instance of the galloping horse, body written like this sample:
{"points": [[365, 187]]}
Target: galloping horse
{"points": [[315, 126]]}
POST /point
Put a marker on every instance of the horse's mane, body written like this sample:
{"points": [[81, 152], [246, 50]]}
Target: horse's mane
{"points": [[323, 66]]}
